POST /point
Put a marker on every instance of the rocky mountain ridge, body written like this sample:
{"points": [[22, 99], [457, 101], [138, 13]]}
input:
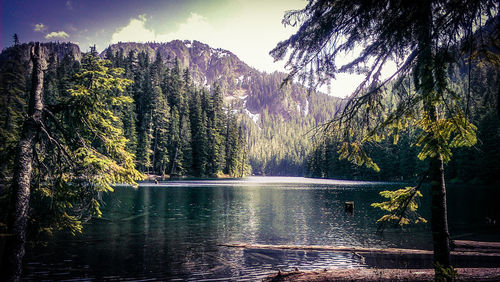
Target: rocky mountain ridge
{"points": [[277, 119], [245, 88]]}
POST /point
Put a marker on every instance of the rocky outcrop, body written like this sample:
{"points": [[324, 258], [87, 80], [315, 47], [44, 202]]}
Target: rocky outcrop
{"points": [[60, 50], [245, 88]]}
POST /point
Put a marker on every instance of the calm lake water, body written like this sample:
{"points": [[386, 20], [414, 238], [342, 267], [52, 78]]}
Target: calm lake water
{"points": [[173, 230]]}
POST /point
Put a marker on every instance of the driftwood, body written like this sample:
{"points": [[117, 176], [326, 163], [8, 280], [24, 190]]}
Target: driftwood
{"points": [[389, 251], [360, 250]]}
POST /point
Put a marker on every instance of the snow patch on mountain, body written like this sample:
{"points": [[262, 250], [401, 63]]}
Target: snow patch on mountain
{"points": [[254, 117]]}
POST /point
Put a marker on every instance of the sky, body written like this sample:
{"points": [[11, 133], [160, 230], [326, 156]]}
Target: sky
{"points": [[247, 28]]}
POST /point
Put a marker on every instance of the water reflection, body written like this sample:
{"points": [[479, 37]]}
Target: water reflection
{"points": [[174, 230]]}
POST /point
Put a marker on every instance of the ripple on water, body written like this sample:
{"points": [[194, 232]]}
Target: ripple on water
{"points": [[174, 232]]}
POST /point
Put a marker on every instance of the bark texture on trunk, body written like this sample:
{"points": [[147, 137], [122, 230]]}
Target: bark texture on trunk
{"points": [[14, 247], [439, 220]]}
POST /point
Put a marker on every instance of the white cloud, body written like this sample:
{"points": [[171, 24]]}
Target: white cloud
{"points": [[69, 5], [135, 31], [196, 27], [250, 35], [58, 34], [40, 27]]}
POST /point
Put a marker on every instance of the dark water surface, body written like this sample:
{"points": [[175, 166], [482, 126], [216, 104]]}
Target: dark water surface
{"points": [[173, 231]]}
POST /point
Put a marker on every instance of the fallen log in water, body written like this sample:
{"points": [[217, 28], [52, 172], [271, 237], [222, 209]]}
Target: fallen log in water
{"points": [[476, 246], [359, 250]]}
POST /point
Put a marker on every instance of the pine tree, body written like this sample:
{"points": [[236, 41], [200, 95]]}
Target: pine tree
{"points": [[421, 34], [160, 117], [174, 143], [143, 92], [12, 111], [20, 195], [68, 153], [215, 129], [198, 134], [16, 39]]}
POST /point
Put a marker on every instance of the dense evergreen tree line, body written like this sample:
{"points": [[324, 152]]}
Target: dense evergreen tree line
{"points": [[399, 161], [283, 135], [175, 127], [276, 117], [71, 128], [171, 126]]}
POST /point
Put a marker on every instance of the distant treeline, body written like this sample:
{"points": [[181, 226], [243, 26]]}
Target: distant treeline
{"points": [[399, 161]]}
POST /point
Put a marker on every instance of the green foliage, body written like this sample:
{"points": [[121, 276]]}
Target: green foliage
{"points": [[356, 155], [421, 36], [180, 129], [81, 150], [444, 273], [12, 110], [402, 30], [402, 206], [90, 149], [280, 139], [440, 136]]}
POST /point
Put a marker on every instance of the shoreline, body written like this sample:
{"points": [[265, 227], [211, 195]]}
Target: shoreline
{"points": [[381, 274]]}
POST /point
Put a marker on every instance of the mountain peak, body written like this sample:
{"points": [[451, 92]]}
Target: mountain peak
{"points": [[207, 65], [247, 89]]}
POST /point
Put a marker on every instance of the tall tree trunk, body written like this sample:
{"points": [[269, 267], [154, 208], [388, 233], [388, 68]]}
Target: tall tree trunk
{"points": [[427, 85], [14, 247], [439, 221], [439, 214]]}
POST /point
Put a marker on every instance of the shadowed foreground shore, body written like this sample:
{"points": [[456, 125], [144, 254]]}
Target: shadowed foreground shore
{"points": [[374, 274], [474, 261]]}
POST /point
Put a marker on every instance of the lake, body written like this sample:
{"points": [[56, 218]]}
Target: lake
{"points": [[174, 230]]}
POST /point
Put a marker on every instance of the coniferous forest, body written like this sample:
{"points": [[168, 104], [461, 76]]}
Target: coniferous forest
{"points": [[185, 134], [398, 159], [172, 127], [212, 134]]}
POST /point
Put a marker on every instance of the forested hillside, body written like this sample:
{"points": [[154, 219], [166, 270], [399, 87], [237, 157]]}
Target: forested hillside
{"points": [[196, 110], [171, 126], [201, 111], [277, 119], [399, 161]]}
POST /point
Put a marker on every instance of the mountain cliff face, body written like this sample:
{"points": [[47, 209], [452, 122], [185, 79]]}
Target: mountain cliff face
{"points": [[245, 88], [22, 52], [207, 65], [277, 118]]}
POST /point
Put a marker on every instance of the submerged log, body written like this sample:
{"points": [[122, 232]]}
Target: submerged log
{"points": [[349, 207], [129, 218], [476, 246], [358, 250], [327, 248]]}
